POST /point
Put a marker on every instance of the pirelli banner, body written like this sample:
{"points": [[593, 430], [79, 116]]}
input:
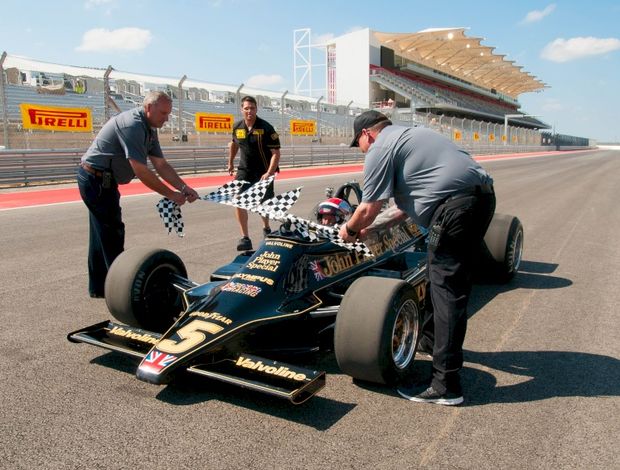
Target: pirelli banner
{"points": [[303, 127], [208, 122], [50, 118]]}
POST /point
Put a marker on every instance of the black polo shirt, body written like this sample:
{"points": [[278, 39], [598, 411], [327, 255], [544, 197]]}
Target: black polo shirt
{"points": [[255, 145]]}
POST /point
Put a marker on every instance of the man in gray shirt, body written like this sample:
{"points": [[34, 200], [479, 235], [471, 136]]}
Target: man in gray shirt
{"points": [[443, 189], [119, 152]]}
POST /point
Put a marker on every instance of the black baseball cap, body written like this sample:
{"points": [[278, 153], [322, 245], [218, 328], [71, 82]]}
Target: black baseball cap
{"points": [[364, 121]]}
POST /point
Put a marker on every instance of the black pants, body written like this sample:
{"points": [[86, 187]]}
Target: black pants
{"points": [[465, 220], [106, 228]]}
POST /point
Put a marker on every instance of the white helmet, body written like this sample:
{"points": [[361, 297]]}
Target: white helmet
{"points": [[335, 207]]}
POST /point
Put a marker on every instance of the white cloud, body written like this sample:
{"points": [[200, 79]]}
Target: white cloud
{"points": [[264, 82], [552, 105], [123, 39], [562, 50], [320, 39], [354, 29], [536, 15], [107, 5]]}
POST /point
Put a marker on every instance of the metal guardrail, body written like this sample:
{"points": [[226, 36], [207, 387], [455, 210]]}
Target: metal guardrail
{"points": [[35, 167], [32, 167]]}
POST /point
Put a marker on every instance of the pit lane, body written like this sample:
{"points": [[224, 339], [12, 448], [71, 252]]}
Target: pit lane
{"points": [[542, 372]]}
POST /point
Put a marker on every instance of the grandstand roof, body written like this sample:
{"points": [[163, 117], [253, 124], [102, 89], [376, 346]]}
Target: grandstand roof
{"points": [[23, 63], [450, 51]]}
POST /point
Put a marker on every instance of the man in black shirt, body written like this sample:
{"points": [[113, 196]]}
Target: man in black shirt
{"points": [[260, 156]]}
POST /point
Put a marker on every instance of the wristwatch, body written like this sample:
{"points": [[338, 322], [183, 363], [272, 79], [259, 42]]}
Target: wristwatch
{"points": [[350, 232]]}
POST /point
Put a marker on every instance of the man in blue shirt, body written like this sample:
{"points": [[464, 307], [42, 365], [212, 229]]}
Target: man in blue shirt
{"points": [[119, 152], [443, 189]]}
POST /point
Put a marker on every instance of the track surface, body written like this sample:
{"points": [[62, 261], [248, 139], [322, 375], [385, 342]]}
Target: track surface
{"points": [[542, 372]]}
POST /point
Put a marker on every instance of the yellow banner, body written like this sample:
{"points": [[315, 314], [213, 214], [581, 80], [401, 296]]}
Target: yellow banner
{"points": [[50, 118], [476, 136], [457, 135], [492, 137], [303, 127], [209, 122]]}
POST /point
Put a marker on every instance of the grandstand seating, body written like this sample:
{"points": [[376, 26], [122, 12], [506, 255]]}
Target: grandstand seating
{"points": [[430, 96]]}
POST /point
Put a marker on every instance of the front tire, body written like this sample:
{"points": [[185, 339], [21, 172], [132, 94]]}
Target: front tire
{"points": [[139, 288], [377, 330]]}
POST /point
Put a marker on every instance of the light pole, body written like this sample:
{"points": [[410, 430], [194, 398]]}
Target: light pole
{"points": [[282, 106], [238, 114], [318, 119], [412, 106], [181, 109], [5, 114]]}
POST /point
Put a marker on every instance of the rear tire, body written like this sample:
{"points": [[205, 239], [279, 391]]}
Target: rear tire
{"points": [[504, 244], [139, 288], [377, 330]]}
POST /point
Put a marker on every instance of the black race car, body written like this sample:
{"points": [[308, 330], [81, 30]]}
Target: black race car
{"points": [[303, 290]]}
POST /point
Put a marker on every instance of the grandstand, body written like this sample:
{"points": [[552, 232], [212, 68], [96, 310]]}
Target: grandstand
{"points": [[440, 71], [439, 77]]}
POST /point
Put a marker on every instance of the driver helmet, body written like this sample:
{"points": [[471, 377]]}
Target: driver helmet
{"points": [[334, 207]]}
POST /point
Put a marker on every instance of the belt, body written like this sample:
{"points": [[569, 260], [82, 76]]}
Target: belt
{"points": [[473, 190], [92, 171]]}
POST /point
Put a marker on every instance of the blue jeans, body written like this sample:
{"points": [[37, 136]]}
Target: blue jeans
{"points": [[106, 228]]}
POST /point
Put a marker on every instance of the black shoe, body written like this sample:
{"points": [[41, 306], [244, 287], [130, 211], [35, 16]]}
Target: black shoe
{"points": [[96, 295], [244, 244], [430, 395], [266, 231]]}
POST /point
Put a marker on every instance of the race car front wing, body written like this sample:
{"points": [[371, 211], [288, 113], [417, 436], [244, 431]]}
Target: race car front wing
{"points": [[275, 378]]}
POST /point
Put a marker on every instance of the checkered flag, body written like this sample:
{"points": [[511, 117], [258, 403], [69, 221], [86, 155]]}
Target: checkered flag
{"points": [[252, 196], [170, 212], [276, 207], [229, 194], [312, 231], [225, 193]]}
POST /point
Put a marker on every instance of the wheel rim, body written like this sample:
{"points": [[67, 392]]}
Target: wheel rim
{"points": [[158, 290], [404, 334], [517, 251]]}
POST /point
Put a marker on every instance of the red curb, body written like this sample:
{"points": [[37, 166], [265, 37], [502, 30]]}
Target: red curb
{"points": [[63, 195]]}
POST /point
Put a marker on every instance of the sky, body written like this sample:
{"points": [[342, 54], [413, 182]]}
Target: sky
{"points": [[572, 46]]}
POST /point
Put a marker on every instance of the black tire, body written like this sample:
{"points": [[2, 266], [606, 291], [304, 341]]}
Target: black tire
{"points": [[377, 330], [504, 244], [139, 290]]}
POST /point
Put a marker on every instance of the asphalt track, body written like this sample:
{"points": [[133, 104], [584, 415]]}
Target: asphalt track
{"points": [[542, 372]]}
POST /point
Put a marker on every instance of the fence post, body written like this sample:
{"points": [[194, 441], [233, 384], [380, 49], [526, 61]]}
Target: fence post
{"points": [[5, 117], [106, 93]]}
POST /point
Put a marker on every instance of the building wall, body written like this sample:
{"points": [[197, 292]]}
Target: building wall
{"points": [[353, 56]]}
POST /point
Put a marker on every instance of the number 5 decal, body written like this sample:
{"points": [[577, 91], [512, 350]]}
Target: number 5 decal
{"points": [[191, 335]]}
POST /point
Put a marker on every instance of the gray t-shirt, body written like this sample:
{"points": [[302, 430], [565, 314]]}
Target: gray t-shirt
{"points": [[126, 135], [419, 168]]}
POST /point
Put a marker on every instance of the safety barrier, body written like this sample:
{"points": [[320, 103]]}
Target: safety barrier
{"points": [[32, 167]]}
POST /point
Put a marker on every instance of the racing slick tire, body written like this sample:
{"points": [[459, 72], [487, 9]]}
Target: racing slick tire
{"points": [[377, 330], [504, 246], [139, 291]]}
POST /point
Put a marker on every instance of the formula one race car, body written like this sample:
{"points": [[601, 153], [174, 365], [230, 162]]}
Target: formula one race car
{"points": [[303, 290]]}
